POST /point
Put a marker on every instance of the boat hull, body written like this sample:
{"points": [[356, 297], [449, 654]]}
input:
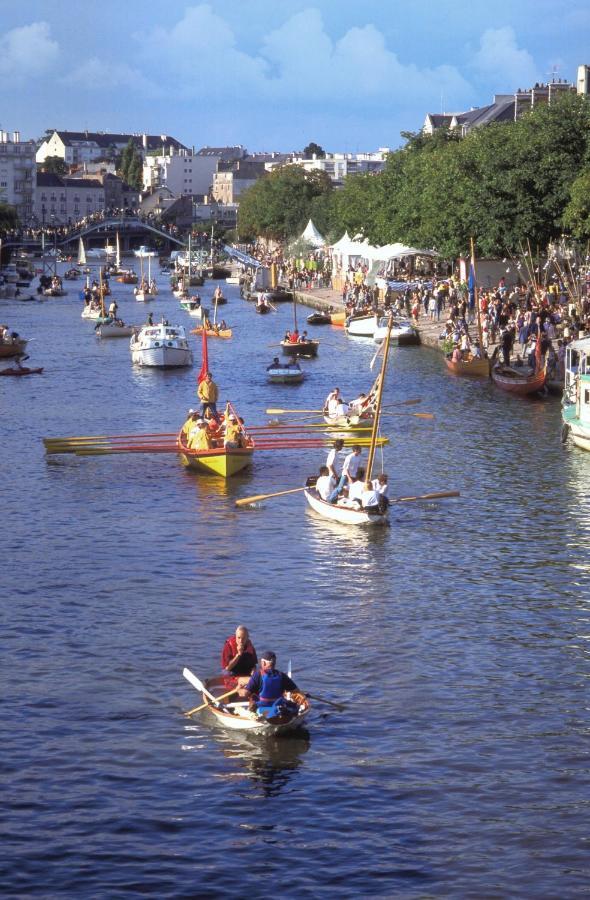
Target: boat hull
{"points": [[475, 368], [513, 382], [15, 349], [115, 331], [240, 719], [308, 349], [284, 376], [261, 309], [162, 357], [23, 371], [220, 461], [343, 514], [349, 423]]}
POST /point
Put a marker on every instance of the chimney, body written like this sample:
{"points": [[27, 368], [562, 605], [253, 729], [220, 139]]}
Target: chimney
{"points": [[16, 137]]}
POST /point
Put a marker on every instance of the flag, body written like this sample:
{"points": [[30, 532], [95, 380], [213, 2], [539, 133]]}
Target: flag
{"points": [[205, 364], [471, 282], [538, 349]]}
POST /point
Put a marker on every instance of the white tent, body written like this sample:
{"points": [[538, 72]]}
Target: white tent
{"points": [[312, 235]]}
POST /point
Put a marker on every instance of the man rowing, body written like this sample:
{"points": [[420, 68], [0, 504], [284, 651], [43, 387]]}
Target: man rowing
{"points": [[266, 689]]}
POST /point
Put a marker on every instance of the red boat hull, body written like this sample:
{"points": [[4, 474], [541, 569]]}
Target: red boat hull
{"points": [[508, 379]]}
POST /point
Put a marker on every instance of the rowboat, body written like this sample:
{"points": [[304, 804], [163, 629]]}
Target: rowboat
{"points": [[262, 308], [12, 347], [192, 305], [128, 277], [22, 370], [479, 368], [521, 382], [300, 348], [350, 423], [213, 332], [161, 346], [289, 373], [115, 329], [237, 716], [224, 461], [345, 513], [319, 318], [95, 312]]}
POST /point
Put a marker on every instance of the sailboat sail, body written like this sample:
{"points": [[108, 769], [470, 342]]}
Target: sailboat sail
{"points": [[118, 256], [81, 253]]}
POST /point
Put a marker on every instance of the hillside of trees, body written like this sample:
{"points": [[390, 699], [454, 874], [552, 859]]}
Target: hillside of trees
{"points": [[502, 184]]}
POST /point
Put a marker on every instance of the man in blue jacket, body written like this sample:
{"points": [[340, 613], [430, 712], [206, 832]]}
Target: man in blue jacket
{"points": [[266, 687]]}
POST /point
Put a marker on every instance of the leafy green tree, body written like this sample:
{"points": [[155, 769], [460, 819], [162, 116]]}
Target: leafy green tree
{"points": [[279, 204], [8, 216], [314, 149], [576, 217], [54, 165]]}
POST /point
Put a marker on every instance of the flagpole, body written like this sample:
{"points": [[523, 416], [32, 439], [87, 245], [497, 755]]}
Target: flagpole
{"points": [[476, 297]]}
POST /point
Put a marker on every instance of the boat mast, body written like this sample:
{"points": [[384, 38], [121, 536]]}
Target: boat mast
{"points": [[118, 256], [476, 298], [378, 404], [190, 258]]}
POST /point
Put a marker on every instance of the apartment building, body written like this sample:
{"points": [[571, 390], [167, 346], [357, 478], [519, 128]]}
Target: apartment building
{"points": [[17, 174]]}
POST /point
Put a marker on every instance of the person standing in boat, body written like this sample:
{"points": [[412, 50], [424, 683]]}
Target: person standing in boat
{"points": [[238, 656], [267, 686], [331, 459], [350, 467], [208, 394]]}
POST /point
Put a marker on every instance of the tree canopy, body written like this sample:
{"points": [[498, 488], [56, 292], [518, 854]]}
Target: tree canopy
{"points": [[54, 165], [280, 203], [312, 150], [130, 166], [8, 216]]}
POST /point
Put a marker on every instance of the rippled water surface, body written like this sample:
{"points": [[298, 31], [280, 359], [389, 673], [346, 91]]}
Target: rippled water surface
{"points": [[457, 638]]}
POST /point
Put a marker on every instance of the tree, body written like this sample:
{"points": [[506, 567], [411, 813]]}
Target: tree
{"points": [[8, 216], [130, 165], [312, 150], [577, 213], [279, 204], [54, 165]]}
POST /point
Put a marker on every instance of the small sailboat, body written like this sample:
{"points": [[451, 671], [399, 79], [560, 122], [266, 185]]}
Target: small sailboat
{"points": [[81, 253], [143, 290]]}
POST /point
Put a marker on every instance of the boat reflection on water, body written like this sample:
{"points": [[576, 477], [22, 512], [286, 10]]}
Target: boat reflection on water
{"points": [[268, 762]]}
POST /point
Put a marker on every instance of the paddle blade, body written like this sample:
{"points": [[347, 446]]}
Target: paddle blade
{"points": [[192, 679]]}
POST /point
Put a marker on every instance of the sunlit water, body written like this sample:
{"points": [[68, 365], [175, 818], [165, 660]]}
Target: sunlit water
{"points": [[458, 637]]}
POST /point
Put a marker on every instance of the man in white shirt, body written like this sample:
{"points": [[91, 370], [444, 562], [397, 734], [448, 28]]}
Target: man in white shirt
{"points": [[325, 483], [356, 489], [350, 468], [332, 401], [369, 497], [331, 458]]}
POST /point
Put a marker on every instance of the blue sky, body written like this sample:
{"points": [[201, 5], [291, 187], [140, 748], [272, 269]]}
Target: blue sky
{"points": [[273, 75]]}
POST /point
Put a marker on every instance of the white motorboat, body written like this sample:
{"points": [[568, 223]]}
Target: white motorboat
{"points": [[576, 394], [95, 312], [161, 346], [347, 513], [361, 326], [193, 306], [402, 332]]}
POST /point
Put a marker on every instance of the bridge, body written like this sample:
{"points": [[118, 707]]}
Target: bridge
{"points": [[132, 232]]}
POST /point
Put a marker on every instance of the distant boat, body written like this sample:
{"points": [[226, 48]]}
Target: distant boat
{"points": [[143, 252], [81, 253]]}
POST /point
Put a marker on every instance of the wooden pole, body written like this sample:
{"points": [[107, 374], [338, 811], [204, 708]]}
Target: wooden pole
{"points": [[378, 404]]}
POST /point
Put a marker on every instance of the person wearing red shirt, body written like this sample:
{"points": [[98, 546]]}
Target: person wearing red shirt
{"points": [[238, 656]]}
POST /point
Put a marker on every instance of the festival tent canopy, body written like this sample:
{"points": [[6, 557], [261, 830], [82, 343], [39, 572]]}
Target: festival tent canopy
{"points": [[312, 235]]}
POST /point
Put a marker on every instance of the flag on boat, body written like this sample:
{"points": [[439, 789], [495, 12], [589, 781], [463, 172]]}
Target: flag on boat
{"points": [[471, 281], [205, 363]]}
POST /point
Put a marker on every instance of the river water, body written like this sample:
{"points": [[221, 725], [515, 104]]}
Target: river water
{"points": [[457, 638]]}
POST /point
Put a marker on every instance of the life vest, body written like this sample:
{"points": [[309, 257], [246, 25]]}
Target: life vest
{"points": [[272, 687]]}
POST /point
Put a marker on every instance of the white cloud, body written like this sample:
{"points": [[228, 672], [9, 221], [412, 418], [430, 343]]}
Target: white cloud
{"points": [[27, 51], [500, 60], [101, 75], [297, 63]]}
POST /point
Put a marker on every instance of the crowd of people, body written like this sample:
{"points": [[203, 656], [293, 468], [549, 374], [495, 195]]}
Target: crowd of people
{"points": [[347, 484]]}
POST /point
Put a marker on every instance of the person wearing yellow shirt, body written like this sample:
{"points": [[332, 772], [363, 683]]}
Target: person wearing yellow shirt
{"points": [[186, 428], [208, 394], [232, 433], [199, 437]]}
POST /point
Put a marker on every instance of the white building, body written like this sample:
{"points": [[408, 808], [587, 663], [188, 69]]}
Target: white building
{"points": [[340, 165], [76, 147], [182, 172], [62, 200], [17, 174]]}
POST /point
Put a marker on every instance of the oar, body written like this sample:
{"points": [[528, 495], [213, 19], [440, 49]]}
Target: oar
{"points": [[437, 496], [417, 415], [280, 412], [339, 706], [204, 705], [245, 501], [198, 684]]}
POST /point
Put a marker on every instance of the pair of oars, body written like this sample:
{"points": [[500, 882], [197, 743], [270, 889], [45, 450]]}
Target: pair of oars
{"points": [[280, 412], [437, 495]]}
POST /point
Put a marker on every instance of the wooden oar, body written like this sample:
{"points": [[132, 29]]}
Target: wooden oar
{"points": [[204, 705], [315, 697], [437, 496], [417, 415], [198, 684], [245, 501], [280, 412]]}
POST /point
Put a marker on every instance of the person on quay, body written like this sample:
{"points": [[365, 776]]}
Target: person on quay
{"points": [[208, 394], [238, 657], [266, 689]]}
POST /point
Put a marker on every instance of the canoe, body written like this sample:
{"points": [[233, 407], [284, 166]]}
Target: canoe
{"points": [[224, 461], [521, 383], [307, 348], [340, 513], [22, 371], [211, 332], [237, 716], [318, 318], [479, 368]]}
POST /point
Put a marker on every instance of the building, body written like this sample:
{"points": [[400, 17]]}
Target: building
{"points": [[233, 178], [183, 172], [338, 166], [506, 107], [17, 175], [60, 201], [76, 147]]}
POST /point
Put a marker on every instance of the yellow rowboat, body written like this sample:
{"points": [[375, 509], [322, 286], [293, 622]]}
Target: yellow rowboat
{"points": [[479, 368], [338, 318], [212, 332], [221, 461]]}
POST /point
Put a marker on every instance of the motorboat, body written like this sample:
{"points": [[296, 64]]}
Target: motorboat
{"points": [[403, 332], [576, 394], [161, 346], [192, 305]]}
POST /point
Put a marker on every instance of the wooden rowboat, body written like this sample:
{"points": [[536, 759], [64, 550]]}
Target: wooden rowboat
{"points": [[23, 370], [479, 368], [211, 332], [521, 382], [237, 716], [337, 512], [14, 347], [224, 461], [303, 348]]}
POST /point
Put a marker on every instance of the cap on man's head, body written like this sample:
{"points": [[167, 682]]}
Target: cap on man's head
{"points": [[269, 656]]}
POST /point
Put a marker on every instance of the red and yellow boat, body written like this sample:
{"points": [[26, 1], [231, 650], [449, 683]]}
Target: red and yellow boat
{"points": [[224, 461]]}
